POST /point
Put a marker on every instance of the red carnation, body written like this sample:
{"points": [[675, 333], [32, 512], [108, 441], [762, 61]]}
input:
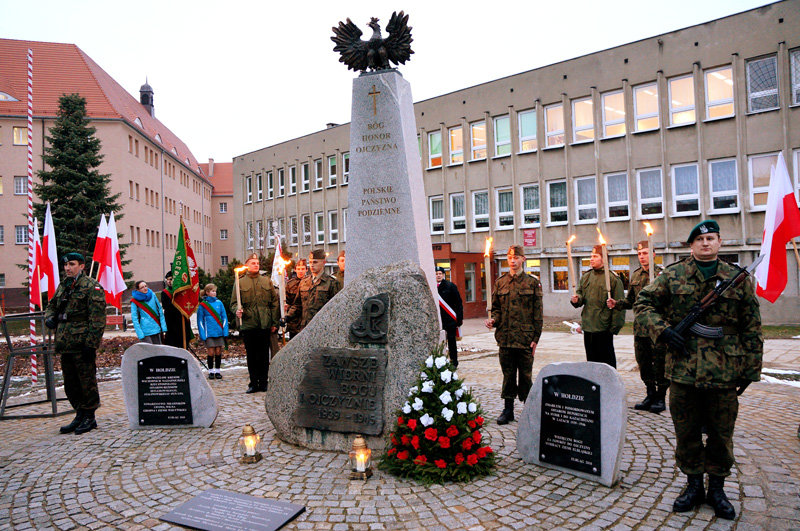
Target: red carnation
{"points": [[420, 460], [412, 424], [404, 439], [481, 452], [391, 451], [440, 463], [431, 434], [402, 455], [472, 459], [458, 458], [467, 444], [479, 421], [477, 436], [471, 424], [394, 440], [444, 442], [452, 431], [415, 442], [400, 421], [489, 449]]}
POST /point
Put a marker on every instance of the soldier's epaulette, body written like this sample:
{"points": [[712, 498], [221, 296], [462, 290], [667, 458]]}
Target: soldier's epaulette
{"points": [[675, 263]]}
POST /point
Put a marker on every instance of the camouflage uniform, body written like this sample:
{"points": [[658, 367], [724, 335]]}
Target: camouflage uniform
{"points": [[598, 322], [79, 304], [340, 279], [314, 293], [705, 377], [260, 304], [517, 314]]}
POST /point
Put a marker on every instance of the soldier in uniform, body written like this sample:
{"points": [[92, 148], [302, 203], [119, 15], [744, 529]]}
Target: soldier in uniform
{"points": [[517, 316], [649, 355], [292, 291], [316, 289], [77, 312], [340, 273], [599, 322], [259, 313], [706, 374], [448, 292]]}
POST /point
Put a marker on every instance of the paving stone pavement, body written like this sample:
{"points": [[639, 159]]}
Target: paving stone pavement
{"points": [[115, 478]]}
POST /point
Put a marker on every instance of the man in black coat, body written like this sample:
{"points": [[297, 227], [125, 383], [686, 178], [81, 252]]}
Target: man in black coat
{"points": [[452, 311], [174, 318]]}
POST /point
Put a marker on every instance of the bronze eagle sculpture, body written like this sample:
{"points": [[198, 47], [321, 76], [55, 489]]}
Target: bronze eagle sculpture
{"points": [[377, 53]]}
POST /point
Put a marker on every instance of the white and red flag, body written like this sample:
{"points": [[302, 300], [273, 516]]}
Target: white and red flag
{"points": [[100, 244], [111, 267], [35, 273], [49, 263], [781, 224], [277, 261]]}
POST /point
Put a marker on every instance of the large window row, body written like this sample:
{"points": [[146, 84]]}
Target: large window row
{"points": [[307, 230], [298, 178]]}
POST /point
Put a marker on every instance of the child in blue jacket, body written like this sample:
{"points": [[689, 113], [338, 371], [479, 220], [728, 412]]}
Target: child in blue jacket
{"points": [[212, 322]]}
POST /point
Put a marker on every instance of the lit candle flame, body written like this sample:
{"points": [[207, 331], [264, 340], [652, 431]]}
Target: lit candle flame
{"points": [[282, 265], [488, 250], [648, 229], [571, 239], [240, 269], [600, 237]]}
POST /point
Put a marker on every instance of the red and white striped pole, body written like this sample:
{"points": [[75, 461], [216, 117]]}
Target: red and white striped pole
{"points": [[31, 243]]}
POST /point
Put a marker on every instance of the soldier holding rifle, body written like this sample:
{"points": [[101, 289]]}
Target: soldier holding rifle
{"points": [[706, 312]]}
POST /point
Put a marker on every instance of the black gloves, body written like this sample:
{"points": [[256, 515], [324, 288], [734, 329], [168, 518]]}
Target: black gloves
{"points": [[51, 322], [281, 322], [742, 387], [672, 338]]}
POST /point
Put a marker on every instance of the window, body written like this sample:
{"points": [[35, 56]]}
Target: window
{"points": [[319, 226], [248, 186], [719, 93], [456, 136], [645, 107], [260, 234], [617, 204], [20, 185], [20, 136], [333, 226], [223, 260], [527, 131], [560, 267], [223, 234], [681, 100], [613, 114], [437, 214], [762, 84], [281, 182], [650, 193], [724, 186], [480, 211], [502, 136], [270, 233], [249, 234], [345, 168], [434, 149], [305, 177], [531, 212], [259, 187], [293, 239], [760, 168], [2, 235], [621, 265], [270, 186], [586, 195], [458, 215], [317, 174], [554, 125], [582, 120], [292, 180], [469, 282], [1, 187], [505, 208], [478, 140], [557, 202], [306, 220], [685, 190], [332, 170], [344, 224], [794, 67]]}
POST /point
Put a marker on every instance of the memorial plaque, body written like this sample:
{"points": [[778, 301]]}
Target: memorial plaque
{"points": [[218, 510], [342, 390], [164, 396], [570, 432]]}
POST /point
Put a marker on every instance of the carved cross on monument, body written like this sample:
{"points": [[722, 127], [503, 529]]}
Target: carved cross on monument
{"points": [[374, 95]]}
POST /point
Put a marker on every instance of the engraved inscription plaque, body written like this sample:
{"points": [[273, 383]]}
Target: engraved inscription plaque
{"points": [[373, 324], [164, 395], [570, 432], [342, 390]]}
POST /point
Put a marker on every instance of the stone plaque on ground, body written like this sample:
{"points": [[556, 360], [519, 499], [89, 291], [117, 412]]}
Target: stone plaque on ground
{"points": [[342, 390], [574, 420], [221, 510], [165, 387]]}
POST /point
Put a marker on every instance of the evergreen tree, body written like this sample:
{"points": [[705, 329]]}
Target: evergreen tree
{"points": [[77, 191]]}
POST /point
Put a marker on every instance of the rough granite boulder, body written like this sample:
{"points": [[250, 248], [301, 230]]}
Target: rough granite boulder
{"points": [[413, 332]]}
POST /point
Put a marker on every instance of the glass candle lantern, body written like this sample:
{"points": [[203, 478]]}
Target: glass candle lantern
{"points": [[360, 459], [249, 445]]}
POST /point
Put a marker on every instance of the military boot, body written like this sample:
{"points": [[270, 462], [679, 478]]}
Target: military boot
{"points": [[659, 404], [645, 404], [508, 412], [717, 499], [69, 428], [88, 423], [691, 496]]}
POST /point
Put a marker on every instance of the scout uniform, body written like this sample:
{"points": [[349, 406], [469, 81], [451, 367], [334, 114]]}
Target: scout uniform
{"points": [[314, 293], [706, 372]]}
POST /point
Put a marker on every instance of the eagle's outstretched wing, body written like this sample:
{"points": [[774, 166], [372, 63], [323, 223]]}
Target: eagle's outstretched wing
{"points": [[353, 50], [398, 43]]}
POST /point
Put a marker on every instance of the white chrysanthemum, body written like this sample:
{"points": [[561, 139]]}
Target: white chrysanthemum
{"points": [[455, 375], [406, 408], [472, 407], [423, 375], [440, 361], [446, 376], [447, 414], [413, 391], [429, 362], [462, 408], [426, 420], [459, 392], [417, 404], [446, 398], [427, 387]]}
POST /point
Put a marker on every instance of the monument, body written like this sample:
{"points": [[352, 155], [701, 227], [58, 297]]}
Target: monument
{"points": [[574, 420], [351, 367]]}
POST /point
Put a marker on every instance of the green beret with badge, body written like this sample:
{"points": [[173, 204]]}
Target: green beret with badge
{"points": [[704, 227]]}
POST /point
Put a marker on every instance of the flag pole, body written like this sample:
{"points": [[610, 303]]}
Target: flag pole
{"points": [[31, 243]]}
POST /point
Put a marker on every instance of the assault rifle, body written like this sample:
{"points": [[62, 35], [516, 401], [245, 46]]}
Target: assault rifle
{"points": [[712, 332]]}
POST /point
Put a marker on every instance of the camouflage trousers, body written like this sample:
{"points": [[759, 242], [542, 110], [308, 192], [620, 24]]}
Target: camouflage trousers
{"points": [[691, 409], [80, 379], [650, 358], [517, 365]]}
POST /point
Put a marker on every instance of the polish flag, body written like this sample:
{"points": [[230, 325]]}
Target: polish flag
{"points": [[781, 224], [111, 267], [35, 273], [100, 244], [49, 263]]}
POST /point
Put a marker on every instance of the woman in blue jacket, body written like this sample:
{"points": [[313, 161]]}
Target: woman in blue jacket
{"points": [[212, 322], [147, 314]]}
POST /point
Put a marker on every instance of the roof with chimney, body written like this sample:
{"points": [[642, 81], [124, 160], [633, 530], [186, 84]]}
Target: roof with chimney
{"points": [[221, 176], [65, 69]]}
